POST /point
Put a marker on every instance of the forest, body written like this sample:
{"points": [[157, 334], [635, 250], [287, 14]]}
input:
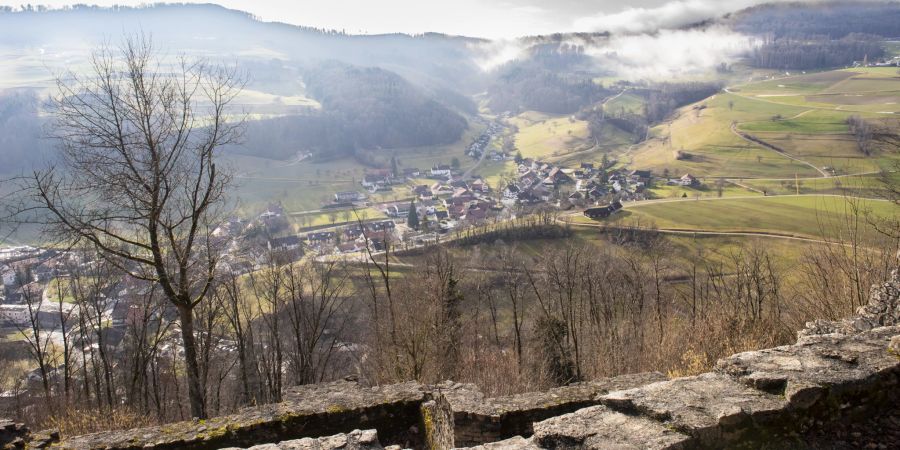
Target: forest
{"points": [[834, 20], [816, 52], [362, 109]]}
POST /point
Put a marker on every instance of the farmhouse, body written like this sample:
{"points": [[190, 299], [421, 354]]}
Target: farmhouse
{"points": [[688, 180], [442, 170], [284, 243], [13, 314], [347, 196], [602, 212], [371, 181]]}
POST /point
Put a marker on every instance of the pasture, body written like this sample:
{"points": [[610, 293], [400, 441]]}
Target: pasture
{"points": [[808, 216], [805, 116]]}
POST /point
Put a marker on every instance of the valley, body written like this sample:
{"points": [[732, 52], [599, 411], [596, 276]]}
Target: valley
{"points": [[217, 208]]}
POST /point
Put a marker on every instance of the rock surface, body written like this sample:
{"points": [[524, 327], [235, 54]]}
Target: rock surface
{"points": [[354, 440], [478, 420], [883, 309], [709, 407], [307, 411], [599, 427], [12, 435]]}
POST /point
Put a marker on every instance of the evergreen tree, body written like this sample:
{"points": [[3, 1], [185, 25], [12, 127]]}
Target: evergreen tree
{"points": [[412, 219], [394, 166]]}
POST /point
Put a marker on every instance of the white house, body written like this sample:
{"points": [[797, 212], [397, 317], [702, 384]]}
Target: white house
{"points": [[14, 314], [442, 170], [688, 180]]}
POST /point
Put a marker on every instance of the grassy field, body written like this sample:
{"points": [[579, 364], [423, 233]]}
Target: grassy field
{"points": [[541, 136], [708, 190], [564, 140], [301, 222], [625, 103], [804, 115], [868, 186], [811, 216]]}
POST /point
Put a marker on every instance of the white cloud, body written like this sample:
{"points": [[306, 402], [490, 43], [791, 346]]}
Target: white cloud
{"points": [[491, 54], [673, 14], [670, 54]]}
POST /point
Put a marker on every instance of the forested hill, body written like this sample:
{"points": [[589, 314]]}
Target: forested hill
{"points": [[379, 91], [212, 30], [803, 36], [835, 20], [363, 110]]}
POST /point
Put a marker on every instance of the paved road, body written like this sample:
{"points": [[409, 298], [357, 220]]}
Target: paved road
{"points": [[468, 173]]}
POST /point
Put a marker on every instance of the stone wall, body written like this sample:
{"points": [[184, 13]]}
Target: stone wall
{"points": [[12, 434], [479, 420], [836, 372]]}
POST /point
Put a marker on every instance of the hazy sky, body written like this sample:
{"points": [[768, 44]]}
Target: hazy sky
{"points": [[484, 18]]}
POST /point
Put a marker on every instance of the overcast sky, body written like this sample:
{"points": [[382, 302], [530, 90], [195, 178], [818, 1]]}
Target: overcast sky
{"points": [[483, 18]]}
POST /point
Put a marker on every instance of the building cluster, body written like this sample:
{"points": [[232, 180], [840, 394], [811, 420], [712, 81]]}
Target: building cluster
{"points": [[382, 180], [347, 239], [482, 143], [445, 205], [38, 291], [589, 184]]}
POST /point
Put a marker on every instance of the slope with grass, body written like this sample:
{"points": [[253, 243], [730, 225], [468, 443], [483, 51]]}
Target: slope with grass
{"points": [[807, 216], [805, 116]]}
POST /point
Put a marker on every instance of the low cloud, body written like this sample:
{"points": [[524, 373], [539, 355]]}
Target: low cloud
{"points": [[491, 54], [670, 15], [670, 53]]}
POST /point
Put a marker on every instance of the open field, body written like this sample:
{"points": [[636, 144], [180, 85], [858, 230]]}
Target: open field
{"points": [[564, 140], [303, 221], [811, 216], [540, 135], [708, 190], [857, 186], [625, 103], [805, 116]]}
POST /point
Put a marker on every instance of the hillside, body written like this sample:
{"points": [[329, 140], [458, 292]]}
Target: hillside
{"points": [[779, 128]]}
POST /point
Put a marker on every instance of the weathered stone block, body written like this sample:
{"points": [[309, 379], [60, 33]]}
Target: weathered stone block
{"points": [[355, 440], [307, 411], [12, 435], [599, 427], [478, 420], [513, 443], [819, 366], [710, 407]]}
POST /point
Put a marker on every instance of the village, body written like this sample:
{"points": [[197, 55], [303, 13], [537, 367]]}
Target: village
{"points": [[450, 201]]}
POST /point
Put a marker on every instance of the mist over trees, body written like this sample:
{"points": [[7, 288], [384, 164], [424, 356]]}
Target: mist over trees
{"points": [[792, 53], [804, 37], [363, 109], [833, 20], [21, 130]]}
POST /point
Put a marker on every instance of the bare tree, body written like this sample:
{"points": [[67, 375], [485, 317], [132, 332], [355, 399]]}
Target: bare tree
{"points": [[138, 179], [35, 334]]}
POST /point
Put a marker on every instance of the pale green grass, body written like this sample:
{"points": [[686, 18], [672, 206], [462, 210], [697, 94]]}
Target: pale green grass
{"points": [[541, 136], [625, 103], [804, 215], [301, 222], [708, 190], [858, 186]]}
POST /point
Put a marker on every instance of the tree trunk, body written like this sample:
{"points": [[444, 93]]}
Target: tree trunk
{"points": [[195, 390]]}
